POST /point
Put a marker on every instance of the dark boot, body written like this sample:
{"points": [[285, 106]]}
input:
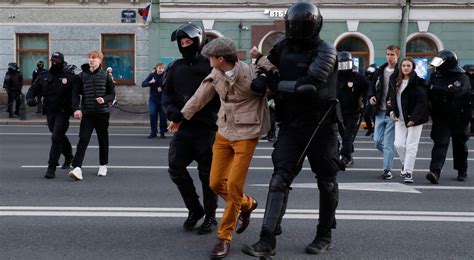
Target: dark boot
{"points": [[462, 176], [221, 249], [244, 218], [264, 248], [321, 243], [67, 163], [433, 177], [193, 218], [208, 225], [50, 172]]}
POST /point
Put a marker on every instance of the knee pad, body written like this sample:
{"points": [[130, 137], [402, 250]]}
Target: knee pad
{"points": [[328, 186], [279, 183]]}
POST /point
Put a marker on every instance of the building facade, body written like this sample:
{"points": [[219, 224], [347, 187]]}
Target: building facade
{"points": [[32, 29]]}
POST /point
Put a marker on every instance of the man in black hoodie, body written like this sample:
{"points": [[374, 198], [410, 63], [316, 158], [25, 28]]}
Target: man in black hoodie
{"points": [[55, 86], [97, 89], [194, 140]]}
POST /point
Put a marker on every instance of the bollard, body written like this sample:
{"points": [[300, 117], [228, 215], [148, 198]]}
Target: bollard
{"points": [[22, 107]]}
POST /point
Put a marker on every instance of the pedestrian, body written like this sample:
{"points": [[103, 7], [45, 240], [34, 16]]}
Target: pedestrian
{"points": [[350, 89], [384, 132], [308, 75], [109, 71], [368, 111], [92, 94], [12, 83], [155, 81], [409, 111], [449, 94], [194, 140], [243, 118], [39, 69], [55, 86], [470, 73]]}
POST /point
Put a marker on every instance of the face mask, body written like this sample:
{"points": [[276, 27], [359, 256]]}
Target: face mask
{"points": [[189, 52], [57, 67]]}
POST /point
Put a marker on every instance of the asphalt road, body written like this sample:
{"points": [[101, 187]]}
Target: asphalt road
{"points": [[136, 212]]}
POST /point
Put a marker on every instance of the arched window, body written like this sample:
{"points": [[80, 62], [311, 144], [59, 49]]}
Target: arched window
{"points": [[359, 50], [269, 40], [422, 49]]}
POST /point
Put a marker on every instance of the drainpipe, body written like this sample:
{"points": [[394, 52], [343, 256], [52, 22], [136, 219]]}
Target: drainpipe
{"points": [[404, 28]]}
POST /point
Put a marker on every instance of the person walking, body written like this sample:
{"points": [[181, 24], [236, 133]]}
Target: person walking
{"points": [[13, 83], [155, 81], [243, 118], [384, 132], [39, 69], [449, 94], [308, 88], [368, 111], [97, 89], [55, 86], [194, 140], [409, 101]]}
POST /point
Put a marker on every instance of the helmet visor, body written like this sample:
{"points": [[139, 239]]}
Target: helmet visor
{"points": [[300, 30], [436, 62], [345, 65]]}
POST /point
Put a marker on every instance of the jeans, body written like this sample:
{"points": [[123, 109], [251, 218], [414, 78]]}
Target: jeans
{"points": [[384, 138], [155, 108]]}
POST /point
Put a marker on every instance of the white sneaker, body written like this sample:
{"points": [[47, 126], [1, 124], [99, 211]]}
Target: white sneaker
{"points": [[102, 170], [76, 174], [408, 178]]}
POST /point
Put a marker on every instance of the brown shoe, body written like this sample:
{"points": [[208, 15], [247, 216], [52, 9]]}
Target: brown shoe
{"points": [[221, 249], [244, 218]]}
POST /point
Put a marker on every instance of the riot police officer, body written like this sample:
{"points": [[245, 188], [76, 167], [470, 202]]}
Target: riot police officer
{"points": [[350, 89], [13, 83], [307, 67], [368, 113], [195, 138], [469, 68], [449, 96], [55, 86], [39, 69]]}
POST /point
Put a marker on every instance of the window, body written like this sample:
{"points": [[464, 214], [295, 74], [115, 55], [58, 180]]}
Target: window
{"points": [[31, 48], [422, 50], [359, 50], [270, 40], [119, 53]]}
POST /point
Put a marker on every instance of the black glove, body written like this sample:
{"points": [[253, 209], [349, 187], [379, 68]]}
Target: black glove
{"points": [[259, 84], [305, 81], [176, 117], [31, 102], [306, 90]]}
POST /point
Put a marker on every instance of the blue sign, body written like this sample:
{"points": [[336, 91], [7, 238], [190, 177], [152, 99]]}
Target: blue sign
{"points": [[422, 67]]}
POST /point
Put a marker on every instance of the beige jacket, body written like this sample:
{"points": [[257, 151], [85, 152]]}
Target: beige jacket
{"points": [[243, 114]]}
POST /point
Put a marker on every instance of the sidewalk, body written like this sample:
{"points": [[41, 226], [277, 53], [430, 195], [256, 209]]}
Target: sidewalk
{"points": [[117, 117]]}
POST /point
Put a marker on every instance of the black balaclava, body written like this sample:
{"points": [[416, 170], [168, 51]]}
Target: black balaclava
{"points": [[189, 52], [57, 63]]}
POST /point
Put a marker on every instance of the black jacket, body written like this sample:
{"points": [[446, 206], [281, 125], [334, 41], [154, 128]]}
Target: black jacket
{"points": [[154, 86], [56, 89], [449, 97], [414, 100], [91, 85], [181, 80], [36, 73], [376, 87], [351, 87], [13, 83]]}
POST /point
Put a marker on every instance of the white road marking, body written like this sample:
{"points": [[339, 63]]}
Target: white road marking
{"points": [[382, 215], [364, 158]]}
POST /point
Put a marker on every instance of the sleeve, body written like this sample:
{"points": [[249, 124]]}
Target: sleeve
{"points": [[34, 90], [201, 97], [421, 97], [109, 89], [146, 82], [168, 98], [77, 91], [323, 64]]}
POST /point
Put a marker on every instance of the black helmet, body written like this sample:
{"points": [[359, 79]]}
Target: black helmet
{"points": [[57, 57], [371, 69], [445, 61], [40, 64], [192, 32], [303, 21], [12, 66], [468, 67], [344, 59]]}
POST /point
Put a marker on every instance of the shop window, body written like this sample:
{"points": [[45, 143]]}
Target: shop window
{"points": [[31, 48], [119, 53], [270, 40], [422, 50], [359, 50]]}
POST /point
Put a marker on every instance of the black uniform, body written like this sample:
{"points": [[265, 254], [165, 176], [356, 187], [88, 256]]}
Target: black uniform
{"points": [[470, 73], [39, 69], [350, 90], [449, 96], [193, 141], [13, 83], [56, 88], [311, 63], [368, 111]]}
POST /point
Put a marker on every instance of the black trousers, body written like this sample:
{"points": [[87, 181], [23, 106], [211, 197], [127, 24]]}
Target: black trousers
{"points": [[189, 145], [347, 134], [58, 124], [441, 133], [89, 122], [13, 97]]}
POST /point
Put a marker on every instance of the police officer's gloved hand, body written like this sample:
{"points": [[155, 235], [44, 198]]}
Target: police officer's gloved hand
{"points": [[176, 117], [259, 84], [305, 81], [31, 102], [305, 86]]}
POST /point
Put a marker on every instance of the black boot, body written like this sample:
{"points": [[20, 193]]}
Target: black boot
{"points": [[433, 177], [321, 243], [193, 218], [67, 163], [462, 176], [264, 248], [50, 172], [207, 225]]}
